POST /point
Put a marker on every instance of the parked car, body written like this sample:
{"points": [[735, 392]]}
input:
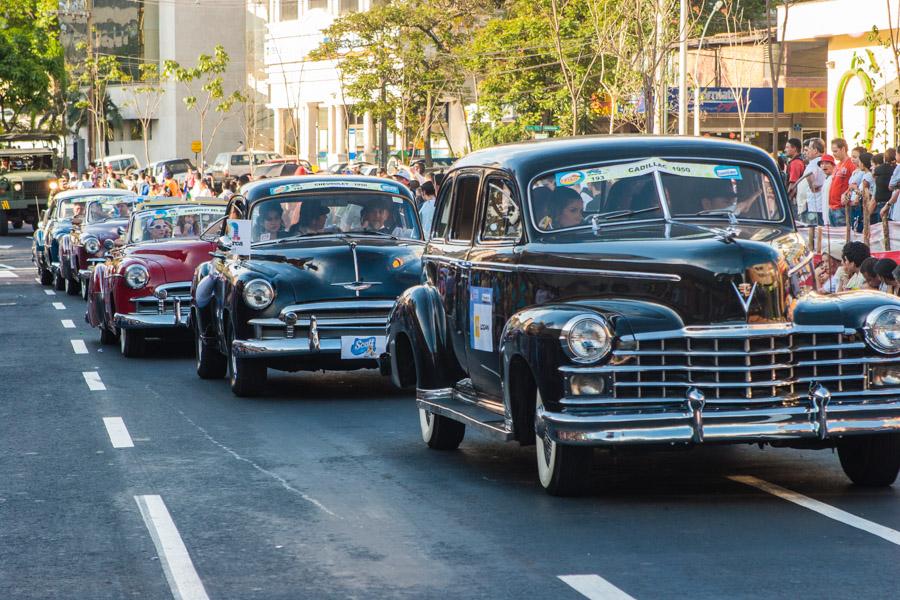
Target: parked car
{"points": [[123, 164], [329, 257], [634, 291], [143, 289], [67, 208], [178, 167], [231, 165], [346, 168], [279, 169], [29, 167], [106, 214]]}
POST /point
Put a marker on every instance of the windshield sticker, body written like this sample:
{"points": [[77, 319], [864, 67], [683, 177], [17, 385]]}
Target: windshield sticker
{"points": [[321, 185], [598, 174], [183, 210]]}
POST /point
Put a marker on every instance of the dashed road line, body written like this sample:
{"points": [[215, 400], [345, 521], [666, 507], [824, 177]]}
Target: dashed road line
{"points": [[118, 433], [826, 510], [173, 555], [8, 275], [59, 306], [79, 346], [594, 587], [37, 279], [92, 378], [5, 247], [50, 292], [68, 323]]}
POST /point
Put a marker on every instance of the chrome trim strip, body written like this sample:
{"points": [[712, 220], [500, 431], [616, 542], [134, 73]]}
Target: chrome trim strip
{"points": [[350, 306], [150, 321], [736, 331], [517, 268]]}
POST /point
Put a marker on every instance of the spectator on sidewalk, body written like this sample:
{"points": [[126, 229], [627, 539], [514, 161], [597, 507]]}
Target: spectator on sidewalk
{"points": [[840, 181], [853, 255]]}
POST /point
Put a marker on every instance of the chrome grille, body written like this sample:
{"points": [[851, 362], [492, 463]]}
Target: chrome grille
{"points": [[175, 291], [40, 189], [737, 371], [333, 319]]}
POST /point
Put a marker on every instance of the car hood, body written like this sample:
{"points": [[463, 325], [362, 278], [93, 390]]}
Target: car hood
{"points": [[176, 259], [104, 230], [753, 274], [324, 267]]}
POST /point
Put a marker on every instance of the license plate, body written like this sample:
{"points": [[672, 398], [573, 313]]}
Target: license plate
{"points": [[364, 346]]}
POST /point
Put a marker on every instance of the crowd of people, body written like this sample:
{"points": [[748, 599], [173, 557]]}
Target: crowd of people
{"points": [[848, 186], [851, 266]]}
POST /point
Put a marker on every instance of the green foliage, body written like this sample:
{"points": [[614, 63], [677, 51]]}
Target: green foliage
{"points": [[32, 70]]}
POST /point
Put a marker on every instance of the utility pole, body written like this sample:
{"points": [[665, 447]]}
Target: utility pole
{"points": [[682, 69], [382, 137]]}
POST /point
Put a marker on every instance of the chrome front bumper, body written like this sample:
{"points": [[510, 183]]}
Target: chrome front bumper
{"points": [[152, 321], [819, 416], [284, 347]]}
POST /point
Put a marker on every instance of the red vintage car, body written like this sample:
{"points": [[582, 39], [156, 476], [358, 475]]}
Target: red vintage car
{"points": [[143, 290], [105, 217]]}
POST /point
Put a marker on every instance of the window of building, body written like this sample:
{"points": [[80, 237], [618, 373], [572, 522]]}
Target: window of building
{"points": [[347, 6], [318, 4], [289, 10]]}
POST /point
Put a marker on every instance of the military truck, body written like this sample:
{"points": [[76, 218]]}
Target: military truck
{"points": [[29, 168]]}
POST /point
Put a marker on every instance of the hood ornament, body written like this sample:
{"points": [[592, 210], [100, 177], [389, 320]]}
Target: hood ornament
{"points": [[744, 293]]}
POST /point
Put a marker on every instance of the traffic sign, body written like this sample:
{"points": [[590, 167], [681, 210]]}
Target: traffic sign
{"points": [[550, 128], [196, 146], [542, 128], [532, 128]]}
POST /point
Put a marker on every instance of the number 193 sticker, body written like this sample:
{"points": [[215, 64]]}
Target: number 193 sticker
{"points": [[481, 318]]}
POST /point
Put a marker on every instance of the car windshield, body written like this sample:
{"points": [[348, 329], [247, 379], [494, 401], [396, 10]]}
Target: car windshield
{"points": [[178, 166], [183, 222], [101, 208], [631, 191], [26, 162], [305, 209]]}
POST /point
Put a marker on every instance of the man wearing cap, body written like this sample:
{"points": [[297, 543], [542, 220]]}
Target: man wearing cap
{"points": [[814, 177], [403, 176]]}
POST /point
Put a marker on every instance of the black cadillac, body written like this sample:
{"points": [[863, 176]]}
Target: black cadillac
{"points": [[637, 291], [328, 258]]}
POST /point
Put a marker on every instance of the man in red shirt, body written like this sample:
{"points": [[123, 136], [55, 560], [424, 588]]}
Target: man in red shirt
{"points": [[840, 181]]}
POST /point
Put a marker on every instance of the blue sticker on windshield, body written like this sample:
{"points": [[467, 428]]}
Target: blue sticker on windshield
{"points": [[727, 172]]}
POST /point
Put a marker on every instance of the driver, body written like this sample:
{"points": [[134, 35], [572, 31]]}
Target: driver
{"points": [[77, 212], [312, 219], [123, 210], [96, 212], [566, 208], [158, 229], [374, 216]]}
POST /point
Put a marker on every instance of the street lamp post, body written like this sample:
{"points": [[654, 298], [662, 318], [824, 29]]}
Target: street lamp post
{"points": [[716, 7]]}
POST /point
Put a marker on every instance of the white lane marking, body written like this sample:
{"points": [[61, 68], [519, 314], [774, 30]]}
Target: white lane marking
{"points": [[50, 292], [79, 347], [59, 306], [5, 247], [118, 433], [262, 470], [8, 275], [886, 533], [594, 587], [68, 323], [92, 378], [37, 279], [2, 266], [176, 562]]}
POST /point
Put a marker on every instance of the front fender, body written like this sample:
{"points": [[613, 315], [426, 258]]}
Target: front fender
{"points": [[418, 318], [203, 287]]}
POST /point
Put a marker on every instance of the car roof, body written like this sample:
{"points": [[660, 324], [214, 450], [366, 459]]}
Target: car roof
{"points": [[158, 201], [25, 151], [260, 188], [529, 159], [119, 156], [64, 195]]}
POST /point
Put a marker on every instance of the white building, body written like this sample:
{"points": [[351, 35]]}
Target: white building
{"points": [[311, 115], [846, 25], [180, 31]]}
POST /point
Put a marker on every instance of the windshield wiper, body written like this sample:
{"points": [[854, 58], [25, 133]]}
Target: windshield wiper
{"points": [[721, 212], [291, 238], [618, 214], [376, 232]]}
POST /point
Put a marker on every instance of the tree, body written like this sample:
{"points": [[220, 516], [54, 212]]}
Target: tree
{"points": [[738, 68], [32, 69], [145, 96], [776, 58], [206, 95], [98, 73]]}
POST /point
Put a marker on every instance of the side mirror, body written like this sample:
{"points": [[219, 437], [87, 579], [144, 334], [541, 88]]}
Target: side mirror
{"points": [[109, 244], [224, 243]]}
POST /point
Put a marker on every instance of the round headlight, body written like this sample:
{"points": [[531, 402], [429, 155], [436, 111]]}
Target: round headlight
{"points": [[883, 329], [136, 276], [91, 245], [586, 338], [258, 294], [17, 186]]}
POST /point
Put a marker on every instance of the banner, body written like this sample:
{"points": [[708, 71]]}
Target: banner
{"points": [[635, 169]]}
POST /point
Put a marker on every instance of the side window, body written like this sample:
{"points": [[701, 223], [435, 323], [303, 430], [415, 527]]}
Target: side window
{"points": [[502, 218], [240, 159], [442, 220], [465, 201]]}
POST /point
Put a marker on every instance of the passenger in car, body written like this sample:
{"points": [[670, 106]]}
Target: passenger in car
{"points": [[566, 209], [270, 223], [374, 216], [158, 229], [187, 226], [312, 219]]}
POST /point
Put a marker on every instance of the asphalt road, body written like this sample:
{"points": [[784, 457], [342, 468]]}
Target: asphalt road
{"points": [[323, 489]]}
